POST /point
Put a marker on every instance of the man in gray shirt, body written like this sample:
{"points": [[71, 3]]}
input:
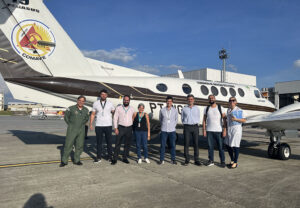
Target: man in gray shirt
{"points": [[168, 118], [190, 118]]}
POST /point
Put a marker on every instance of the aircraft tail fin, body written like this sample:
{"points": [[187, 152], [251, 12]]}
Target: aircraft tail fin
{"points": [[34, 44]]}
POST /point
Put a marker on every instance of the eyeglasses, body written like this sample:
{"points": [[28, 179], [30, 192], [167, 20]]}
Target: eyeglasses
{"points": [[231, 100]]}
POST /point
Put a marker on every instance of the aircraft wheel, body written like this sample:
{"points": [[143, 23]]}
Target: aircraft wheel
{"points": [[272, 151], [284, 151]]}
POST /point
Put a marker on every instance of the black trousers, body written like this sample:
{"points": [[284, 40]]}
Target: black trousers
{"points": [[191, 132], [107, 131], [126, 134]]}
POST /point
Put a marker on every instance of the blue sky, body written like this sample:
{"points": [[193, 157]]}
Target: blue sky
{"points": [[162, 36], [262, 37]]}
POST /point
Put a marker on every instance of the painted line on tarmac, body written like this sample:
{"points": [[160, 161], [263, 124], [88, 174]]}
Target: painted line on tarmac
{"points": [[38, 163]]}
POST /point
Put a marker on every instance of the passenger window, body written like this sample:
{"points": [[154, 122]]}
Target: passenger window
{"points": [[256, 93], [241, 92], [161, 87], [232, 92], [186, 88], [214, 90], [224, 91], [204, 90]]}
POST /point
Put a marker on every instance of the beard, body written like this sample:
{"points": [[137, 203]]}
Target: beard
{"points": [[126, 104], [212, 102]]}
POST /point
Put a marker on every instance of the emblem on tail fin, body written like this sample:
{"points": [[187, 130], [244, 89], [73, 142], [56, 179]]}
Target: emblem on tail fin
{"points": [[33, 40]]}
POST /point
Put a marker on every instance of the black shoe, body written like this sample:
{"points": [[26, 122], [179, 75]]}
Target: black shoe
{"points": [[186, 163], [161, 162], [210, 163], [62, 164], [174, 162], [125, 161], [97, 160], [113, 162], [78, 163], [229, 165], [198, 163], [223, 165]]}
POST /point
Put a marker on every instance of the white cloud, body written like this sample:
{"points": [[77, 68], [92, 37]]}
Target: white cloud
{"points": [[174, 66], [232, 67], [122, 54], [171, 66], [297, 63], [147, 68]]}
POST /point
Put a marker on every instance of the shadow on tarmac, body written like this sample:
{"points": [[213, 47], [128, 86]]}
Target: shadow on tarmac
{"points": [[37, 201], [31, 137]]}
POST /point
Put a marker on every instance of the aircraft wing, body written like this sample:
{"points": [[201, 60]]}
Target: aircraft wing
{"points": [[288, 120]]}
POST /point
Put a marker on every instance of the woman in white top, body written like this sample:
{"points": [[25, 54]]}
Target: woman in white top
{"points": [[235, 118]]}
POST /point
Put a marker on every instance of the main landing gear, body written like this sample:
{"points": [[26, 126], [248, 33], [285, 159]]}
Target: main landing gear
{"points": [[276, 149]]}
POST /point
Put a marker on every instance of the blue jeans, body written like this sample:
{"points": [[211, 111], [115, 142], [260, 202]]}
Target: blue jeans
{"points": [[212, 137], [233, 153], [141, 138], [163, 139]]}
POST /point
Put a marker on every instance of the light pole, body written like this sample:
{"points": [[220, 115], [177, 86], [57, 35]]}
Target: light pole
{"points": [[223, 56]]}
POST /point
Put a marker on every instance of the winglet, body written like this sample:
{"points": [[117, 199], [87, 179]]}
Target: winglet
{"points": [[180, 74]]}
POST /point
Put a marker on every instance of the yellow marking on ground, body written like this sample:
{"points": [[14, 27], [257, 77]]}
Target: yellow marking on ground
{"points": [[111, 89], [6, 60], [2, 49], [38, 163]]}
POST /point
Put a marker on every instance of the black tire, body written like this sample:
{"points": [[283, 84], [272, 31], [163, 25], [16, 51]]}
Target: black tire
{"points": [[272, 151], [284, 151]]}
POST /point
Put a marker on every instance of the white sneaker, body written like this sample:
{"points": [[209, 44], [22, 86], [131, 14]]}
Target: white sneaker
{"points": [[139, 161], [97, 161], [147, 160]]}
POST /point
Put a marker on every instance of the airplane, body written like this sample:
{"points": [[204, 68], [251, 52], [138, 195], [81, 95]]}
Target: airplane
{"points": [[40, 63]]}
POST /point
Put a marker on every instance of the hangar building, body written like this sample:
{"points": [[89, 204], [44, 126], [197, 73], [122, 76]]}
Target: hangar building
{"points": [[209, 74], [284, 93]]}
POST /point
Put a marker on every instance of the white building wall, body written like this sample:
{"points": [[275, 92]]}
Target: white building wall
{"points": [[1, 101], [238, 78], [215, 75], [287, 87]]}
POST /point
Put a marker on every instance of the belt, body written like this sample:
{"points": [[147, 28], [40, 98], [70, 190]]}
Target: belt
{"points": [[190, 124], [124, 126]]}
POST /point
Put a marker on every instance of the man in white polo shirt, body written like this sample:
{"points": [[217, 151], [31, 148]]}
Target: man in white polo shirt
{"points": [[103, 110]]}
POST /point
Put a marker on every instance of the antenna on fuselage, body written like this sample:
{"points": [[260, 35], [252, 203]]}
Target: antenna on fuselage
{"points": [[180, 74]]}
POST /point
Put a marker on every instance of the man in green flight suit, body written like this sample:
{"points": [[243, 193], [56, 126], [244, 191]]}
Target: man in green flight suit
{"points": [[75, 116]]}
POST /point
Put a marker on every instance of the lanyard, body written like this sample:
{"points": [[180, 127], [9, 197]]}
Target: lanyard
{"points": [[140, 118], [103, 106], [125, 109]]}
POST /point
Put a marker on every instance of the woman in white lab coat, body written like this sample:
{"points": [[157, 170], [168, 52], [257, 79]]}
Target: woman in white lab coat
{"points": [[235, 118]]}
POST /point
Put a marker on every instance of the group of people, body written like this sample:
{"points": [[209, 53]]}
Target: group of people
{"points": [[218, 127]]}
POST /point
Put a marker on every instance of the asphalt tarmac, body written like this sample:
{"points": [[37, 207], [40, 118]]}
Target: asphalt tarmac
{"points": [[30, 175]]}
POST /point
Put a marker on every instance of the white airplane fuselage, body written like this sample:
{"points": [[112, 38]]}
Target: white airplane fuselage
{"points": [[40, 63]]}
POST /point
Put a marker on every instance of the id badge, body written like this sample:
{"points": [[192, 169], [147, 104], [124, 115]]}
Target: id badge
{"points": [[139, 125], [169, 121]]}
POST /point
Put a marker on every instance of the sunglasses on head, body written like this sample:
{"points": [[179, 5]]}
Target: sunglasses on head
{"points": [[231, 100]]}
